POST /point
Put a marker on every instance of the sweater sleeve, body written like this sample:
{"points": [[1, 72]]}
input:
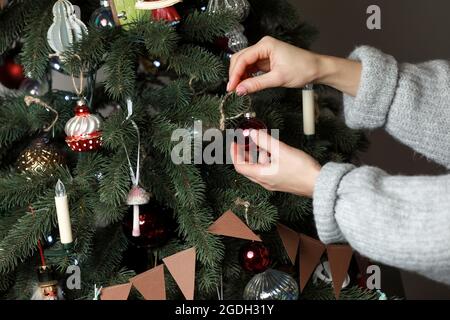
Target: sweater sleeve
{"points": [[412, 102], [399, 221]]}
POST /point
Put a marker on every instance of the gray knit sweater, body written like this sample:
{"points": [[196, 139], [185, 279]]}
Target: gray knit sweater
{"points": [[399, 221]]}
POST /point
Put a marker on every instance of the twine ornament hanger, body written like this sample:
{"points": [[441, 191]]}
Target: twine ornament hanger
{"points": [[223, 117], [246, 205], [29, 100], [78, 91]]}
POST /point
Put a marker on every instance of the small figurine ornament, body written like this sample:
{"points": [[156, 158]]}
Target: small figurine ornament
{"points": [[47, 287]]}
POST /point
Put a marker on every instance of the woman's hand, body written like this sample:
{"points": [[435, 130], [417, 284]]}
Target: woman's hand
{"points": [[284, 64], [287, 66], [286, 169]]}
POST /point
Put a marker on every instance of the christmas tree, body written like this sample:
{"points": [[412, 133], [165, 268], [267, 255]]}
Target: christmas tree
{"points": [[96, 189]]}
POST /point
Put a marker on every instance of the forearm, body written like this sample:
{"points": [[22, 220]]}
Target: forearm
{"points": [[399, 221], [341, 74]]}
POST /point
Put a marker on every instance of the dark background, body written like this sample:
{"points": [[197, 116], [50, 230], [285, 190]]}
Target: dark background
{"points": [[412, 31]]}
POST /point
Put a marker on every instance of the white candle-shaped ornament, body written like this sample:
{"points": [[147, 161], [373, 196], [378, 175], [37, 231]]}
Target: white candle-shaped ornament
{"points": [[309, 118], [62, 212]]}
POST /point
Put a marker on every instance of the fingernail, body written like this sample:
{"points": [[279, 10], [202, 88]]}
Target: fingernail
{"points": [[228, 86], [241, 91]]}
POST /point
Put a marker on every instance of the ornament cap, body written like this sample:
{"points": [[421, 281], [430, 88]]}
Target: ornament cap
{"points": [[81, 109], [250, 114]]}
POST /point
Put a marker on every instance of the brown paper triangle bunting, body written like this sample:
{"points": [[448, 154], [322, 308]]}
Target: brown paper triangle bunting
{"points": [[310, 251], [290, 239], [339, 257], [119, 292], [182, 268], [231, 226], [151, 283]]}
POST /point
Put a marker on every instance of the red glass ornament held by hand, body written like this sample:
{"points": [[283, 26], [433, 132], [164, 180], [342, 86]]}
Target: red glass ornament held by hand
{"points": [[84, 130], [250, 122]]}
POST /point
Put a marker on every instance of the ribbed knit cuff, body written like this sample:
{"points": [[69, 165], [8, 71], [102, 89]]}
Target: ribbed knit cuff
{"points": [[379, 79], [325, 197]]}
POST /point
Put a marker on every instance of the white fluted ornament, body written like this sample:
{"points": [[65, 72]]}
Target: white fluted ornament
{"points": [[66, 27], [84, 130]]}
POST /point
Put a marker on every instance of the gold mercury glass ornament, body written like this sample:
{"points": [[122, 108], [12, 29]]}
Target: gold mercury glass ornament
{"points": [[40, 157]]}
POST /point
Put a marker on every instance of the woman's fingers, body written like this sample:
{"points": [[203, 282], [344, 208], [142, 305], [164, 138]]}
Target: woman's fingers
{"points": [[265, 142], [242, 60], [263, 157], [258, 83], [243, 166]]}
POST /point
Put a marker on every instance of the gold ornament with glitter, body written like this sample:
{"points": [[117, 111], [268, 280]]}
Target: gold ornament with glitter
{"points": [[40, 157]]}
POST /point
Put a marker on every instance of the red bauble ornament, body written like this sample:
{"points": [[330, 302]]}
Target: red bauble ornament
{"points": [[249, 123], [11, 73], [254, 257], [155, 222], [84, 130]]}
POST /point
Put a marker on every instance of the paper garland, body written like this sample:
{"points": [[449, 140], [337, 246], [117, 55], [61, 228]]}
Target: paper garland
{"points": [[151, 284], [310, 251], [182, 265], [291, 240], [182, 268], [231, 226], [339, 257], [119, 292]]}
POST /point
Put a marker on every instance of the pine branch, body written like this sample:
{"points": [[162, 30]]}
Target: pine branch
{"points": [[117, 133], [21, 240], [119, 69], [174, 96], [115, 182], [86, 54], [13, 23], [193, 226], [197, 63], [159, 37], [109, 246], [14, 121], [204, 27], [18, 191], [35, 48]]}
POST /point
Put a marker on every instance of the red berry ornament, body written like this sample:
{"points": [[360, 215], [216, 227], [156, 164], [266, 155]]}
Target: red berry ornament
{"points": [[84, 130], [254, 257]]}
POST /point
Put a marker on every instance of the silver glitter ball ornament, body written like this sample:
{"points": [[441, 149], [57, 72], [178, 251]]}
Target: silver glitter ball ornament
{"points": [[271, 285], [240, 8]]}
